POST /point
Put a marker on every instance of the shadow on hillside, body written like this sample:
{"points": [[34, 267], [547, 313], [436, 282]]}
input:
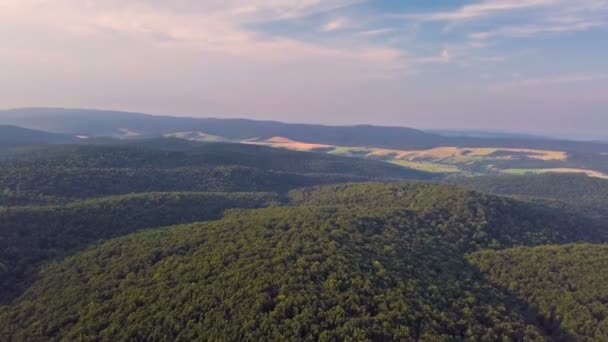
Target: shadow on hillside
{"points": [[549, 326]]}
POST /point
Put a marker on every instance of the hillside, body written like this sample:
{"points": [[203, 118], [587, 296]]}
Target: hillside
{"points": [[567, 191], [112, 123], [568, 285], [370, 261], [59, 173], [30, 236], [12, 136]]}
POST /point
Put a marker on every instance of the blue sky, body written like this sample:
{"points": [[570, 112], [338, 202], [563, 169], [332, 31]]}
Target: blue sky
{"points": [[538, 66]]}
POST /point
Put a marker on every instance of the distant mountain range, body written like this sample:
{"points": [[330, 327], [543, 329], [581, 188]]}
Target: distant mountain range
{"points": [[96, 123], [485, 134], [12, 136]]}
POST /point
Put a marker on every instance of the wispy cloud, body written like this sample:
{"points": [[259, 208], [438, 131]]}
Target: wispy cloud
{"points": [[534, 30], [335, 25], [218, 26], [551, 80], [483, 9], [520, 18], [443, 57], [376, 32]]}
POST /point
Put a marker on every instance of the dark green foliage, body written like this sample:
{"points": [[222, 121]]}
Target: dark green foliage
{"points": [[12, 136], [357, 262], [35, 174], [32, 235], [593, 161], [567, 191], [369, 261], [274, 274], [567, 284], [469, 219], [59, 184], [174, 153]]}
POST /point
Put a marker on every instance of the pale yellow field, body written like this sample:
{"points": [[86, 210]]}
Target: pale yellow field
{"points": [[461, 154], [590, 173], [439, 159], [287, 143], [427, 166], [447, 154], [465, 153]]}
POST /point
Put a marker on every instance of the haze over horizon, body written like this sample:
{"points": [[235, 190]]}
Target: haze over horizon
{"points": [[530, 66]]}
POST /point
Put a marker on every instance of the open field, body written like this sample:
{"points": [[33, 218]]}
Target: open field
{"points": [[446, 154], [590, 173], [464, 154], [439, 159], [447, 159], [427, 166], [282, 142]]}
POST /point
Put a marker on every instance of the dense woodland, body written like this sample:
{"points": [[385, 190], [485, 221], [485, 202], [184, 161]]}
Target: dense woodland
{"points": [[60, 173], [32, 235], [286, 253], [567, 284], [13, 136], [368, 261], [571, 192]]}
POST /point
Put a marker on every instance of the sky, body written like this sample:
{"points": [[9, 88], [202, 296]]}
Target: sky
{"points": [[532, 66]]}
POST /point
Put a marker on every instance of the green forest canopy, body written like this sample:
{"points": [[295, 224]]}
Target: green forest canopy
{"points": [[571, 192], [51, 174], [329, 266], [375, 261], [567, 284]]}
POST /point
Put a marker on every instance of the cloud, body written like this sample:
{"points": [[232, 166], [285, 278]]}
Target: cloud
{"points": [[376, 32], [191, 56], [220, 26], [551, 80], [335, 25], [534, 30], [522, 18], [483, 9], [443, 57]]}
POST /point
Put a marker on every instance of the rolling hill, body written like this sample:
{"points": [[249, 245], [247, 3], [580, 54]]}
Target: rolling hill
{"points": [[370, 261], [13, 136], [59, 173], [112, 123], [576, 192], [30, 236], [172, 239], [568, 284], [473, 154]]}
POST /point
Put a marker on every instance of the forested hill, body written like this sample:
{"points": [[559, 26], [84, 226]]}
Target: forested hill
{"points": [[112, 240], [30, 236], [12, 136], [176, 153], [584, 194], [54, 173], [498, 215], [328, 266], [96, 123], [567, 284]]}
